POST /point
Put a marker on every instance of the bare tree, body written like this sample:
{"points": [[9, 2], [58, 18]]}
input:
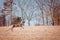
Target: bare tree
{"points": [[25, 14], [41, 4], [30, 15], [50, 10]]}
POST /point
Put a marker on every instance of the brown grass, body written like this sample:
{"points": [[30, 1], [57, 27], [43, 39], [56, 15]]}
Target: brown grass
{"points": [[30, 33]]}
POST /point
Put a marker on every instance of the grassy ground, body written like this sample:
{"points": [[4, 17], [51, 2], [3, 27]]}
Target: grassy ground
{"points": [[30, 33]]}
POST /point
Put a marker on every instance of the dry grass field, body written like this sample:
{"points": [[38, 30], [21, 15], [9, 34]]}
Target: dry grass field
{"points": [[30, 33]]}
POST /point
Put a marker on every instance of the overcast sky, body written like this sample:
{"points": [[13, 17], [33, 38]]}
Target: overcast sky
{"points": [[1, 4]]}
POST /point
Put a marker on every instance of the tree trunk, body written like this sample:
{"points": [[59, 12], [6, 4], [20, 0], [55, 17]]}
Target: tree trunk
{"points": [[28, 22], [46, 20]]}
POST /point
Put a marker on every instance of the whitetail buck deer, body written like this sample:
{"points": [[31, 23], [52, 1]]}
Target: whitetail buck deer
{"points": [[17, 22], [18, 25]]}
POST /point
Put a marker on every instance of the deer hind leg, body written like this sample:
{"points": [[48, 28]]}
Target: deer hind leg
{"points": [[13, 27]]}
